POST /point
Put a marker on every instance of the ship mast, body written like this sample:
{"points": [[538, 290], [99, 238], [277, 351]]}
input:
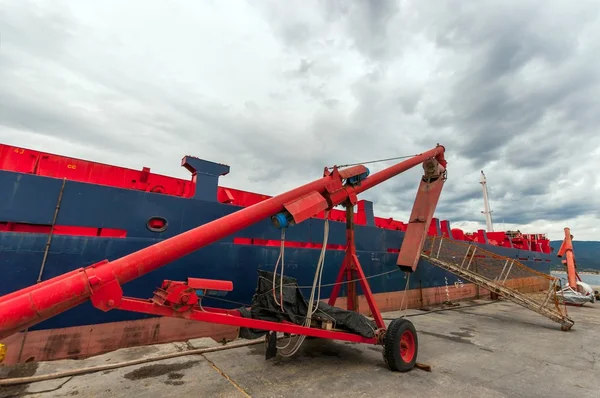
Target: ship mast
{"points": [[486, 204]]}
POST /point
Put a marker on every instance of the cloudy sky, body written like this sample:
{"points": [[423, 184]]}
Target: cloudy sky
{"points": [[278, 90]]}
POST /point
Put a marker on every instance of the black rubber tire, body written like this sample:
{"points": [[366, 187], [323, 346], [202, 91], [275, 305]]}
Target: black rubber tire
{"points": [[398, 329]]}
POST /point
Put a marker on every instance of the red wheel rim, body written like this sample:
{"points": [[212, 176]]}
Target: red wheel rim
{"points": [[407, 346]]}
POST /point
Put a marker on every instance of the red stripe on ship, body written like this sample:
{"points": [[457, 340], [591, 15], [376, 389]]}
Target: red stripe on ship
{"points": [[62, 230], [29, 161]]}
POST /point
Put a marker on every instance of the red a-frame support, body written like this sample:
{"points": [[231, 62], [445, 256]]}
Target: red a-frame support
{"points": [[352, 270]]}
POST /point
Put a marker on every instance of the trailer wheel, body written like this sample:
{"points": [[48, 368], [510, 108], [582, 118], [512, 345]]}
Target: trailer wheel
{"points": [[401, 345]]}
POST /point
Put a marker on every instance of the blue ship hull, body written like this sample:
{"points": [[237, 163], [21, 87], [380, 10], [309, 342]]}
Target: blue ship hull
{"points": [[32, 199]]}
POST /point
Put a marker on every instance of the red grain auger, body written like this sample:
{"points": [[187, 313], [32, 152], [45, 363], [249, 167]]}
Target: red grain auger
{"points": [[101, 283]]}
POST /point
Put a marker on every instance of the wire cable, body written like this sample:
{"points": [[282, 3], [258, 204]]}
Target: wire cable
{"points": [[376, 161]]}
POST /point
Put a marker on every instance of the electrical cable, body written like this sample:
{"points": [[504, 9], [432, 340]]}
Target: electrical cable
{"points": [[281, 257], [316, 281]]}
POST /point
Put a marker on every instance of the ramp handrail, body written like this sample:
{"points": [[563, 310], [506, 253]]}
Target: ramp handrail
{"points": [[502, 275]]}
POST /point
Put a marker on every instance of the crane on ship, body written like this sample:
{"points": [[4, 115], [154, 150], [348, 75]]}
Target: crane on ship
{"points": [[576, 292], [101, 283], [486, 204]]}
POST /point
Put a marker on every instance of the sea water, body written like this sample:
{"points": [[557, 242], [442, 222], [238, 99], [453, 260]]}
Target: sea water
{"points": [[590, 279]]}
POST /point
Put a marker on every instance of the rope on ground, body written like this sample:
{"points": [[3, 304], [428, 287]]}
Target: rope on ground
{"points": [[93, 369]]}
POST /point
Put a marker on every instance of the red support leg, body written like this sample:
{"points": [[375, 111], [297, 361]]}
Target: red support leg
{"points": [[352, 299], [368, 295], [338, 284], [352, 270]]}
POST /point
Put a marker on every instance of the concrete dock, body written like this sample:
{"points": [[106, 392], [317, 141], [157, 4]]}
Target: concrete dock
{"points": [[478, 349]]}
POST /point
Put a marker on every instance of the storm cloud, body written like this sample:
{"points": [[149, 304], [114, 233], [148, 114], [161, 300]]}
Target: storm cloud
{"points": [[279, 90]]}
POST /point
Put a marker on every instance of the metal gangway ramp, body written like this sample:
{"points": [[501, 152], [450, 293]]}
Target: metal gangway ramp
{"points": [[504, 276]]}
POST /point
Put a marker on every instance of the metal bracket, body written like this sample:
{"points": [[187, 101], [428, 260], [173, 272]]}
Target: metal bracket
{"points": [[107, 296], [106, 289]]}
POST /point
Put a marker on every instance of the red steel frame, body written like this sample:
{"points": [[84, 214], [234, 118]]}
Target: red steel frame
{"points": [[351, 269], [180, 293], [101, 282]]}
